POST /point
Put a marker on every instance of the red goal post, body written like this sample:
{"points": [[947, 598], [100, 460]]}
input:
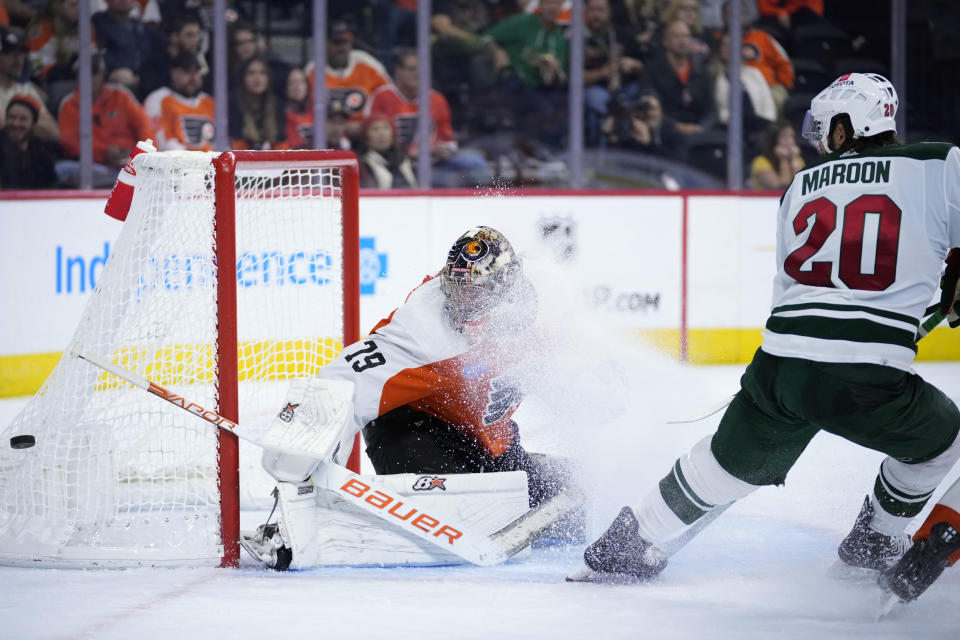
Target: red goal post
{"points": [[226, 165], [232, 274]]}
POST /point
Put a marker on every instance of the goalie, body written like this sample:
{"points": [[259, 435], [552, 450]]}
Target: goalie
{"points": [[433, 389]]}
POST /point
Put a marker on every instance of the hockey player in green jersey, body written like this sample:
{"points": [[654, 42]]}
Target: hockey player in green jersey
{"points": [[861, 238]]}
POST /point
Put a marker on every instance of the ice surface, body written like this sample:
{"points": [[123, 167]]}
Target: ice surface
{"points": [[763, 570]]}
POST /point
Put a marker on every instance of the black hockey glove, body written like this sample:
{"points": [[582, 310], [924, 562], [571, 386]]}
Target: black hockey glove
{"points": [[949, 304]]}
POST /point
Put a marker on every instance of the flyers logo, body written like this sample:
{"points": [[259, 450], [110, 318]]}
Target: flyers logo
{"points": [[286, 414], [426, 483], [504, 394], [473, 249]]}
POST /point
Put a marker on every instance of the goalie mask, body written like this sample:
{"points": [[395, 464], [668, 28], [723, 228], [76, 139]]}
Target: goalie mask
{"points": [[480, 272], [868, 98]]}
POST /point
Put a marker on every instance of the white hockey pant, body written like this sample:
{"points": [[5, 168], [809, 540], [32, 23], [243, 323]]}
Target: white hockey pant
{"points": [[696, 485], [902, 490]]}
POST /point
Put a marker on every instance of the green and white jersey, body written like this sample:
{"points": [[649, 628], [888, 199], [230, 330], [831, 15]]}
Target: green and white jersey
{"points": [[861, 238]]}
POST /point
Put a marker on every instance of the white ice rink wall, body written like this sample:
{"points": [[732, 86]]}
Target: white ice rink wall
{"points": [[689, 271]]}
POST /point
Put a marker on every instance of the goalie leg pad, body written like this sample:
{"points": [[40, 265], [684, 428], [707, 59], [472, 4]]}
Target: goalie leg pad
{"points": [[325, 528]]}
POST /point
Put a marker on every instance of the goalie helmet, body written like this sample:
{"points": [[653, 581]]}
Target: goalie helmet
{"points": [[868, 98], [480, 271]]}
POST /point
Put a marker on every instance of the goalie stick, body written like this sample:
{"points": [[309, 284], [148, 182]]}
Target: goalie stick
{"points": [[926, 327], [449, 534]]}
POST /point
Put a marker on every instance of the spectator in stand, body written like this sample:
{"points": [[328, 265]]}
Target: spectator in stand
{"points": [[779, 17], [257, 116], [383, 165], [759, 110], [336, 129], [451, 167], [533, 46], [396, 22], [636, 24], [644, 127], [563, 17], [184, 35], [459, 73], [20, 12], [352, 75], [682, 85], [456, 27], [26, 161], [609, 71], [688, 12], [147, 11], [531, 56], [299, 110], [53, 47], [119, 122], [13, 51], [779, 159], [203, 9], [246, 43], [763, 52], [125, 41], [711, 12], [182, 114]]}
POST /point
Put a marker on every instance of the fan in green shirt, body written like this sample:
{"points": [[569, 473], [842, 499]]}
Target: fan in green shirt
{"points": [[533, 44]]}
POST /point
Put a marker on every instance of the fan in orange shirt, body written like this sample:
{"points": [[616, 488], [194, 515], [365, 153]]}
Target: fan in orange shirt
{"points": [[119, 121], [452, 167], [352, 75], [53, 41], [181, 113], [762, 51], [785, 10]]}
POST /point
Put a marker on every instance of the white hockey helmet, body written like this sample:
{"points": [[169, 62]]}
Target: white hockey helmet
{"points": [[480, 271], [868, 98]]}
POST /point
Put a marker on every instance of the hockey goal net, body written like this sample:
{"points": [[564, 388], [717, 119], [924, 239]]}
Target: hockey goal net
{"points": [[232, 274]]}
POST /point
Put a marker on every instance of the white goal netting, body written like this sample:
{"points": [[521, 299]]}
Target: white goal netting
{"points": [[120, 477]]}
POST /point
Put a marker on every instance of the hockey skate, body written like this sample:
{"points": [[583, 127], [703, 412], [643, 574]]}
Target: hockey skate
{"points": [[266, 544], [864, 548], [922, 564], [620, 555]]}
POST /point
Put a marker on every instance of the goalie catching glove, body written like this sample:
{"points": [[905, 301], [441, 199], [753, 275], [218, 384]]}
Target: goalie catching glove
{"points": [[949, 305]]}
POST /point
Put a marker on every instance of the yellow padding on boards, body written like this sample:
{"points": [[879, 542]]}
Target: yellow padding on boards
{"points": [[22, 375], [259, 360], [735, 346]]}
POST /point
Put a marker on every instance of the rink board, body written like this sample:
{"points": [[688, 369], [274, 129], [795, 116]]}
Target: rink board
{"points": [[666, 267]]}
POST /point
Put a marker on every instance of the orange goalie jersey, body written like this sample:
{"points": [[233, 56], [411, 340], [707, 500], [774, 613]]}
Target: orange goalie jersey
{"points": [[414, 358]]}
